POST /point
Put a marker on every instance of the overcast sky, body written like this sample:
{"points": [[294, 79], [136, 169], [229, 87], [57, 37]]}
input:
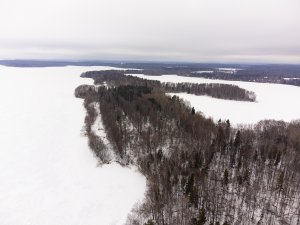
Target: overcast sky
{"points": [[170, 30]]}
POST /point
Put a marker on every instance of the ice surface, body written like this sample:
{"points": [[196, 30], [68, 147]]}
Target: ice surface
{"points": [[48, 174]]}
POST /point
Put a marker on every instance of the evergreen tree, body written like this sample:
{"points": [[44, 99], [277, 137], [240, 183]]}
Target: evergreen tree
{"points": [[194, 198], [279, 184], [193, 111], [237, 139], [225, 179], [201, 220], [194, 221], [198, 160], [190, 185], [246, 177], [202, 217], [149, 222]]}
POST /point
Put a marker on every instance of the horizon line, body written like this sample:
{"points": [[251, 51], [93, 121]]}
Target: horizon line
{"points": [[143, 61]]}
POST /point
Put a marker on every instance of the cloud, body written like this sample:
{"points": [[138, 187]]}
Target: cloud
{"points": [[184, 30]]}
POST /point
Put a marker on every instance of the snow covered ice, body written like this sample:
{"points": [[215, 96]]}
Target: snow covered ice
{"points": [[48, 174]]}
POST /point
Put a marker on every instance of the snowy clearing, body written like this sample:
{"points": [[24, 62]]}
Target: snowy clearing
{"points": [[274, 101], [204, 71], [228, 70], [291, 78], [48, 173]]}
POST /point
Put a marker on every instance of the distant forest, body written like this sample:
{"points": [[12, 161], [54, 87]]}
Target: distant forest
{"points": [[282, 74], [267, 73], [198, 172]]}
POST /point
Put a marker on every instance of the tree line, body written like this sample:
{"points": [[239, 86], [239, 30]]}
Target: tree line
{"points": [[114, 78]]}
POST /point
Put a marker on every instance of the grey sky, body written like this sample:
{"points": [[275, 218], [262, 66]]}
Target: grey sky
{"points": [[181, 30]]}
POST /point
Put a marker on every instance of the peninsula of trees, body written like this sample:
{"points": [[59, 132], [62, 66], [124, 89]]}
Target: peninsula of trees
{"points": [[114, 78], [198, 171]]}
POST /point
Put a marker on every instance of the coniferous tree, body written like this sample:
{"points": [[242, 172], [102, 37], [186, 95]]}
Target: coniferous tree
{"points": [[193, 111], [279, 184], [202, 217], [225, 179], [190, 185]]}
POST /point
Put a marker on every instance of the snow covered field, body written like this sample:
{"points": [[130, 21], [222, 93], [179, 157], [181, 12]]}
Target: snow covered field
{"points": [[48, 174], [274, 101], [204, 71], [228, 70]]}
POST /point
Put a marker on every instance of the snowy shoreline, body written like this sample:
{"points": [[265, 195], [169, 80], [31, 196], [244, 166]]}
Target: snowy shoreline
{"points": [[51, 176]]}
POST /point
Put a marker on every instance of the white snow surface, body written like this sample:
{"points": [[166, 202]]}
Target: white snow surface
{"points": [[273, 101], [99, 130], [204, 71], [228, 70], [48, 173], [291, 78]]}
